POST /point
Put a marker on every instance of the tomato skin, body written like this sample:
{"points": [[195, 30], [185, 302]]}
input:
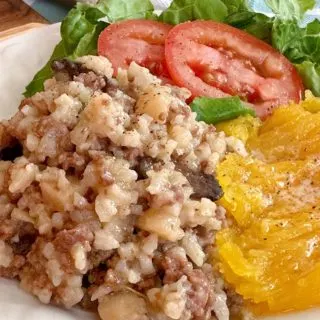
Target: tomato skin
{"points": [[216, 60], [141, 41]]}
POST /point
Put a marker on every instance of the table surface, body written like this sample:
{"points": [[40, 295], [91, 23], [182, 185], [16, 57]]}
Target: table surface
{"points": [[15, 13]]}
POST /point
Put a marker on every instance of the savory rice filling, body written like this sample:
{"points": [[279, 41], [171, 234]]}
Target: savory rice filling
{"points": [[111, 201]]}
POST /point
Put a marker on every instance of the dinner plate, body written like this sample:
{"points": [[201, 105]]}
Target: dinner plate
{"points": [[20, 58]]}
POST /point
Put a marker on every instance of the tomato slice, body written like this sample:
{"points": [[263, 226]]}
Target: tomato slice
{"points": [[215, 60], [141, 41]]}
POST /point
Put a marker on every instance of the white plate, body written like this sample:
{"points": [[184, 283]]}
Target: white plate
{"points": [[20, 58]]}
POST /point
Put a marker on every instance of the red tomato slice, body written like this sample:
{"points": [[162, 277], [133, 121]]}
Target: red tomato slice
{"points": [[141, 41], [215, 60]]}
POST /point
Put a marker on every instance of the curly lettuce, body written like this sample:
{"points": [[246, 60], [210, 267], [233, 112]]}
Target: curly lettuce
{"points": [[301, 45]]}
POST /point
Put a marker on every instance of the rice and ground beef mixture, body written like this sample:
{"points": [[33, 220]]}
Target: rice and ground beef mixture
{"points": [[107, 195]]}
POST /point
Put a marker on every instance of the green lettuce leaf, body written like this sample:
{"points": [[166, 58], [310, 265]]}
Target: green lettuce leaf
{"points": [[286, 36], [235, 6], [45, 73], [116, 10], [185, 10], [310, 74], [296, 43], [256, 24], [302, 47], [212, 110], [74, 27], [290, 9], [302, 43], [81, 28], [234, 12], [242, 16], [88, 43]]}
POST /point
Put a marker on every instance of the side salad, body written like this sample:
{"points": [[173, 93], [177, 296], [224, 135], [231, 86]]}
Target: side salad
{"points": [[226, 54]]}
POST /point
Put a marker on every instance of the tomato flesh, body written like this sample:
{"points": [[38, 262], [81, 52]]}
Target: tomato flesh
{"points": [[141, 41], [215, 60]]}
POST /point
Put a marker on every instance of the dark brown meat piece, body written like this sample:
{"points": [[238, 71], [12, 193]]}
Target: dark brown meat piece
{"points": [[143, 166], [68, 67], [86, 302], [11, 152], [10, 148], [95, 276], [24, 245], [6, 139], [204, 235], [27, 236], [204, 185], [68, 70]]}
